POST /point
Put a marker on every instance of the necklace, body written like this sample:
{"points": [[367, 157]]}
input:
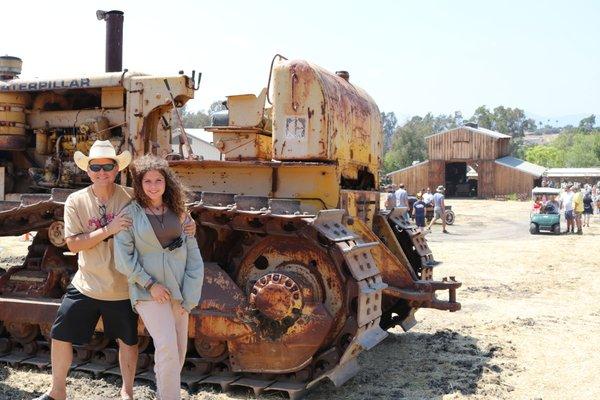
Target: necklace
{"points": [[160, 220]]}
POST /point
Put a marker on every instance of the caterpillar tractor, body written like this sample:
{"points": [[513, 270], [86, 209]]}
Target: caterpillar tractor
{"points": [[303, 270]]}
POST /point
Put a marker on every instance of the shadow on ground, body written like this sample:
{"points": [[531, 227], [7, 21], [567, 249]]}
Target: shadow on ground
{"points": [[417, 366], [10, 392]]}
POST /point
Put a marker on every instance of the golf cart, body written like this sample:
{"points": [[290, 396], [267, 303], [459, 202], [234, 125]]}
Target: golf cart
{"points": [[546, 212]]}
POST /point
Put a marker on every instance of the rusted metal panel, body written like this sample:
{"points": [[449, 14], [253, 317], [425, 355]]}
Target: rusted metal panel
{"points": [[242, 144], [360, 204], [321, 116], [31, 311], [69, 82], [396, 270], [69, 118], [313, 184]]}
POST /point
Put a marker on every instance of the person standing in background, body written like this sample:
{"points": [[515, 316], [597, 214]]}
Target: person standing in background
{"points": [[566, 200], [419, 212], [578, 208], [427, 197], [588, 207], [439, 209], [402, 199], [390, 201]]}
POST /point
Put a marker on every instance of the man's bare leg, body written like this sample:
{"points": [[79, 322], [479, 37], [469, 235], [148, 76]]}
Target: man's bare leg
{"points": [[128, 362], [431, 223], [444, 221], [61, 357]]}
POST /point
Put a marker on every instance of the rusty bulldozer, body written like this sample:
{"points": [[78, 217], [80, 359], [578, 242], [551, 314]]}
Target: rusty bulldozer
{"points": [[304, 271]]}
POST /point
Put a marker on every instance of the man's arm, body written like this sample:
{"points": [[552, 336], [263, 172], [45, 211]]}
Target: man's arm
{"points": [[85, 241]]}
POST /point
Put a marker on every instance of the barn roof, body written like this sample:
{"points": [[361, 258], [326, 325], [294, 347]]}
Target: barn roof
{"points": [[483, 131], [407, 168], [521, 165], [573, 172]]}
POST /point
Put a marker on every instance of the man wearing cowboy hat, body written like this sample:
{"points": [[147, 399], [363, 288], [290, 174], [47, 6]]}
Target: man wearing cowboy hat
{"points": [[439, 209], [92, 217]]}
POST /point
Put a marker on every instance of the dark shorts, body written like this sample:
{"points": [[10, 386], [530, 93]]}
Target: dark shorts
{"points": [[78, 315], [420, 221], [569, 215]]}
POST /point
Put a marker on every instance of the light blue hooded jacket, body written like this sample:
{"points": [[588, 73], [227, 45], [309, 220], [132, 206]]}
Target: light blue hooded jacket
{"points": [[139, 256]]}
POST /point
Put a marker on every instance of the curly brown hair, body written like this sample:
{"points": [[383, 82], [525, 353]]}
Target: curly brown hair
{"points": [[175, 194]]}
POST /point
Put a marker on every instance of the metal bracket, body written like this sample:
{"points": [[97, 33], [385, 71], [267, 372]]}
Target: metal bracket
{"points": [[329, 224]]}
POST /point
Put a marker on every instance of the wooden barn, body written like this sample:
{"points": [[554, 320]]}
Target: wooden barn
{"points": [[452, 152]]}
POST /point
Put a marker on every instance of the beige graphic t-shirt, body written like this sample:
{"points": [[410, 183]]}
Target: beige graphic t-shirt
{"points": [[97, 276]]}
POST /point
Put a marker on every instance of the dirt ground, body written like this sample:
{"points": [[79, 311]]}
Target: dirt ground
{"points": [[529, 327]]}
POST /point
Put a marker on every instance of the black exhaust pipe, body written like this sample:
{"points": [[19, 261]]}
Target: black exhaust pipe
{"points": [[114, 39]]}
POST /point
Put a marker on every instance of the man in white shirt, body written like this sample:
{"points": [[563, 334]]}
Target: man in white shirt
{"points": [[566, 200], [402, 199], [428, 197], [439, 209], [390, 201]]}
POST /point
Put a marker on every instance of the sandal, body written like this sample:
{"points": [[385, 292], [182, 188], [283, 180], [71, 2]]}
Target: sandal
{"points": [[45, 397]]}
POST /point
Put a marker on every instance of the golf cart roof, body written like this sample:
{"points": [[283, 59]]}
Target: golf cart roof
{"points": [[544, 190]]}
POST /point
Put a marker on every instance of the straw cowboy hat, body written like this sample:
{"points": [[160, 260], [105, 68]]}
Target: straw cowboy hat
{"points": [[102, 149], [440, 188]]}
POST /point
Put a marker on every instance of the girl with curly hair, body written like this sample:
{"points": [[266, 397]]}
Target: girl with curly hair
{"points": [[163, 266]]}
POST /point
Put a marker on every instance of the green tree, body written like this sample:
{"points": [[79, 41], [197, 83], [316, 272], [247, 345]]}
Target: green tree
{"points": [[389, 124], [576, 148], [198, 119], [547, 156], [587, 124], [510, 121]]}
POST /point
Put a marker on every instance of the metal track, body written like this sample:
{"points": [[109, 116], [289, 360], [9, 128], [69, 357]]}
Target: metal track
{"points": [[336, 361]]}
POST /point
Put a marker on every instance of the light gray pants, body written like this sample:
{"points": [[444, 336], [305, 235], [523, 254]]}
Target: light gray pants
{"points": [[169, 331]]}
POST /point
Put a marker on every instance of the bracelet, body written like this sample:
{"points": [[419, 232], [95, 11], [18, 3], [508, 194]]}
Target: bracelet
{"points": [[149, 284]]}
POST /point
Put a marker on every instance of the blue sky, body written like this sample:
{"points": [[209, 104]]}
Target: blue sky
{"points": [[412, 57]]}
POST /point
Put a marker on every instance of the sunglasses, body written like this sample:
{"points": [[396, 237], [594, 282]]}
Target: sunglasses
{"points": [[98, 167], [175, 244], [103, 218]]}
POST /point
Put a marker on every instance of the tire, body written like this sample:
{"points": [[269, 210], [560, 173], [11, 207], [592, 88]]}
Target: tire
{"points": [[533, 228], [556, 229], [449, 217]]}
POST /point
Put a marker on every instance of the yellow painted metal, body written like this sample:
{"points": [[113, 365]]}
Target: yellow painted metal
{"points": [[321, 116], [315, 185], [242, 144], [12, 113], [112, 97], [148, 100], [246, 110], [360, 204]]}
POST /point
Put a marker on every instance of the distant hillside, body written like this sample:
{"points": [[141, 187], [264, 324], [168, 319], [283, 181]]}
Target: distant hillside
{"points": [[559, 121]]}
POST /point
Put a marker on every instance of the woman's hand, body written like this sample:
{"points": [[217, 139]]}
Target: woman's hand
{"points": [[160, 293], [119, 222]]}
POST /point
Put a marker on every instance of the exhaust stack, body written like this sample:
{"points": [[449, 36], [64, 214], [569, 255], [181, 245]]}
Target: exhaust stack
{"points": [[114, 39]]}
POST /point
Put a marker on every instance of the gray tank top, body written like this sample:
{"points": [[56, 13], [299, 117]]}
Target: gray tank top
{"points": [[167, 227]]}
